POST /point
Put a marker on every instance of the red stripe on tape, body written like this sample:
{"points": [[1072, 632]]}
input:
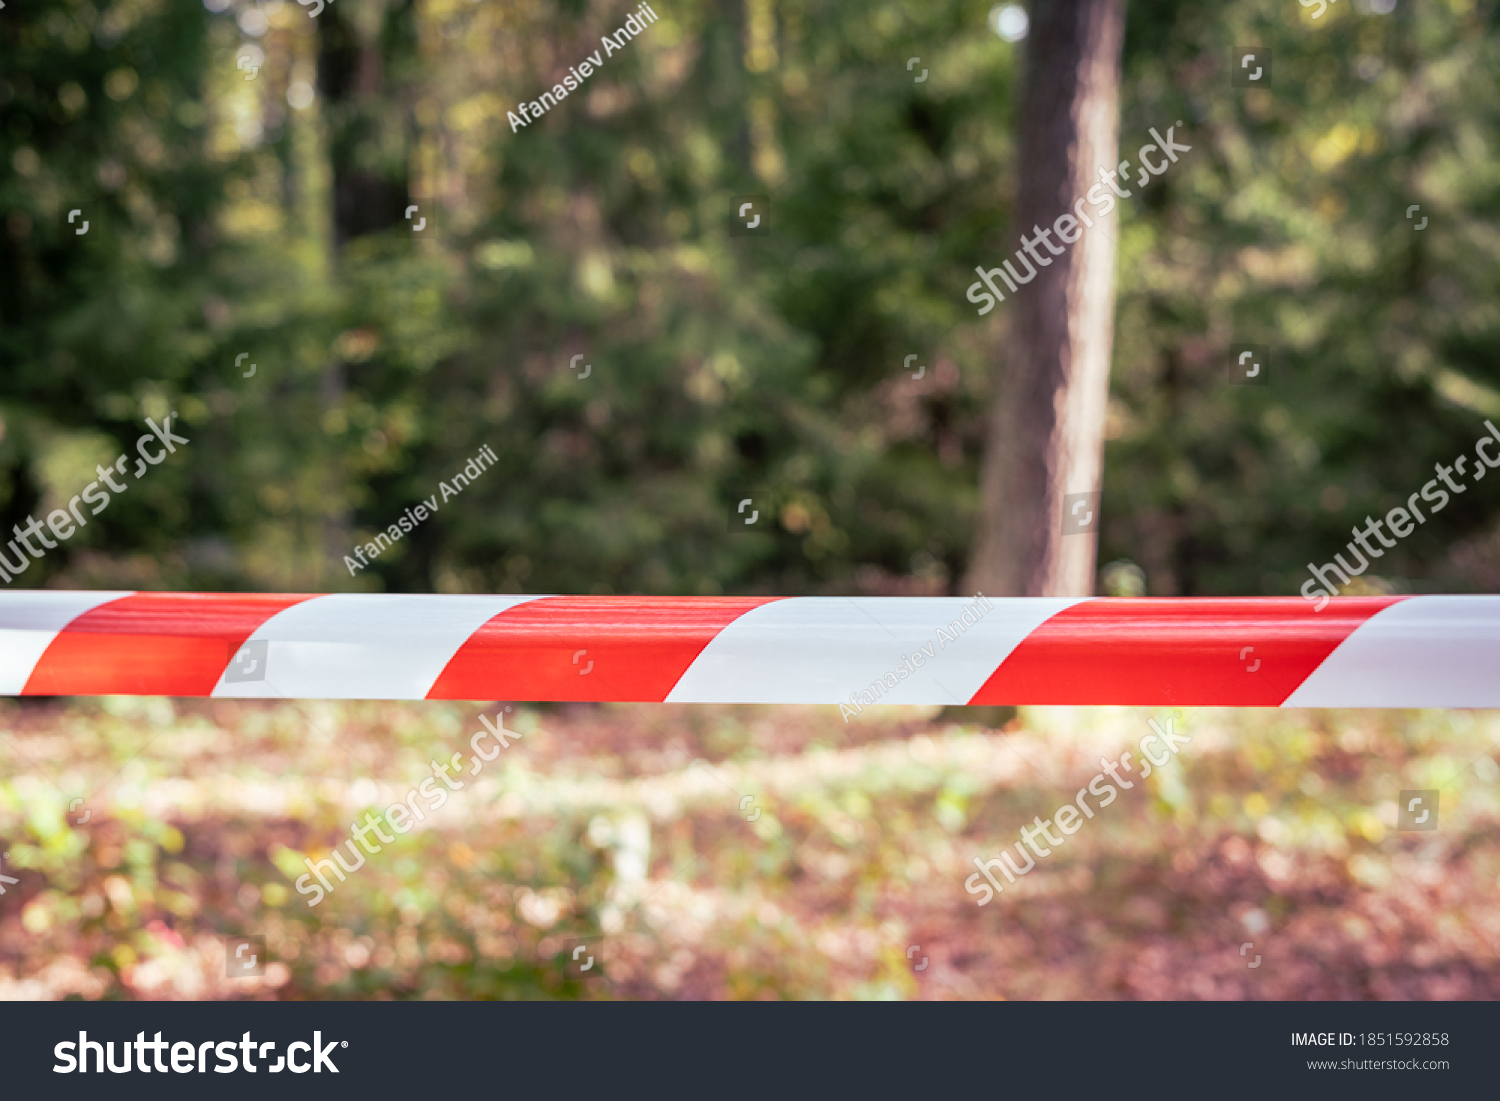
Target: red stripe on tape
{"points": [[620, 648], [1182, 651], [152, 644]]}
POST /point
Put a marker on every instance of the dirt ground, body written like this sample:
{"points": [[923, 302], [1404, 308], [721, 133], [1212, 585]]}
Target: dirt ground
{"points": [[752, 852]]}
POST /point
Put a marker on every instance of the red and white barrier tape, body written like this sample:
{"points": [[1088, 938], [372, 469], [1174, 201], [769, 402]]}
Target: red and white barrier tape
{"points": [[1422, 651]]}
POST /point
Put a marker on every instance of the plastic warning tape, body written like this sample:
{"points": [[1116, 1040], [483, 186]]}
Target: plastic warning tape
{"points": [[1422, 651]]}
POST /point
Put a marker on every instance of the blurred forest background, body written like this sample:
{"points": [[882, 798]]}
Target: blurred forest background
{"points": [[245, 168], [264, 216]]}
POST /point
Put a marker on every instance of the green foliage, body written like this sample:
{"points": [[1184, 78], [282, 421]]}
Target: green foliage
{"points": [[1287, 226]]}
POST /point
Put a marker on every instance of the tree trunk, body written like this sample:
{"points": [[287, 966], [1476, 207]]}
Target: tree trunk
{"points": [[1052, 380]]}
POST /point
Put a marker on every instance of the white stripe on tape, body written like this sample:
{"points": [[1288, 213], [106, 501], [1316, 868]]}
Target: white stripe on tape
{"points": [[824, 649], [29, 621], [359, 646], [1427, 651]]}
